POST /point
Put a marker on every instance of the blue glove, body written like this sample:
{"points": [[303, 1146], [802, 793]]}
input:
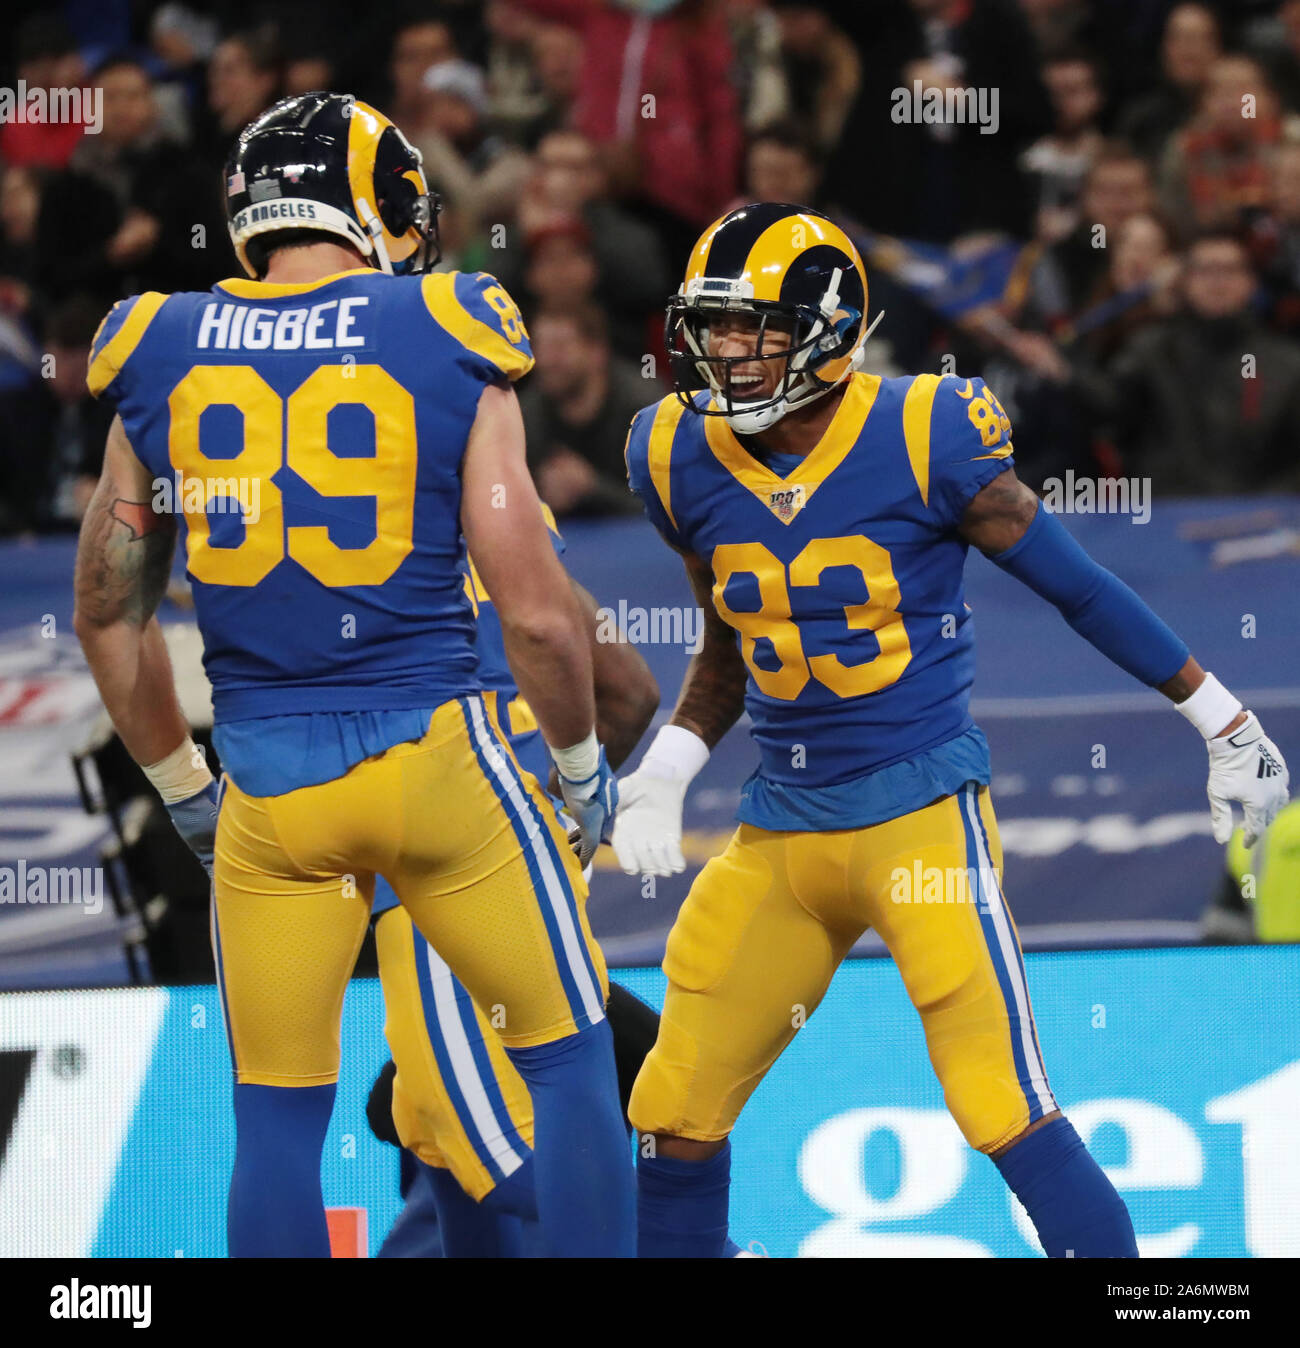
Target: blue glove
{"points": [[592, 803], [196, 821]]}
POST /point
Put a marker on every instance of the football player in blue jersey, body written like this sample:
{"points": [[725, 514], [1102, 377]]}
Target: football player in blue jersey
{"points": [[458, 1105], [335, 429], [824, 515]]}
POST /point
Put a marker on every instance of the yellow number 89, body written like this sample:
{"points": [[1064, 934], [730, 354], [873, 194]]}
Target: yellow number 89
{"points": [[294, 431]]}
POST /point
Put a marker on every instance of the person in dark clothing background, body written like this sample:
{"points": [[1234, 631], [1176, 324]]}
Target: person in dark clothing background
{"points": [[934, 182], [1209, 401]]}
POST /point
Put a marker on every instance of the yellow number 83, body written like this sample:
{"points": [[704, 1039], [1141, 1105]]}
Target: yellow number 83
{"points": [[772, 620], [294, 432]]}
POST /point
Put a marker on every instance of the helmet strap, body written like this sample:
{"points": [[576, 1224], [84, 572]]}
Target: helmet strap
{"points": [[375, 228]]}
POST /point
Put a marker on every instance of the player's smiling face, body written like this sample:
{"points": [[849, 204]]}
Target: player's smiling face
{"points": [[736, 336]]}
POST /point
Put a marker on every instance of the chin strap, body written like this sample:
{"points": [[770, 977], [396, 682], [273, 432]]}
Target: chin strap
{"points": [[375, 228]]}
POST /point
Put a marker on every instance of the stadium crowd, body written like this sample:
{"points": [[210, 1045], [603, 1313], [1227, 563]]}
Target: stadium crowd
{"points": [[1114, 243]]}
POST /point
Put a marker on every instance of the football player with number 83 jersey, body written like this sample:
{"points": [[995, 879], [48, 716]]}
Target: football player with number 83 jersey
{"points": [[824, 515]]}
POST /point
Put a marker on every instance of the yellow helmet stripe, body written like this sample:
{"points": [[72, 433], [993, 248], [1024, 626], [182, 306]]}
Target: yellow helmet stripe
{"points": [[697, 266], [782, 242], [365, 126]]}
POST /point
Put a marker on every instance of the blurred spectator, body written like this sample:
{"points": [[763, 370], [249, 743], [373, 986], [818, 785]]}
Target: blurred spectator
{"points": [[1068, 274], [1059, 162], [77, 425], [937, 180], [656, 96], [557, 53], [1282, 61], [1209, 401], [244, 79], [20, 208], [171, 231], [515, 93], [565, 215], [781, 164], [1275, 241], [51, 430], [46, 57], [759, 69], [1220, 166], [480, 173], [560, 268], [823, 71], [416, 46], [308, 69], [182, 43], [1188, 51], [577, 407]]}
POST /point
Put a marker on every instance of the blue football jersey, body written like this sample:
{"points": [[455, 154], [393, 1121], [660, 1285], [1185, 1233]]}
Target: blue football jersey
{"points": [[843, 580], [311, 435], [514, 714]]}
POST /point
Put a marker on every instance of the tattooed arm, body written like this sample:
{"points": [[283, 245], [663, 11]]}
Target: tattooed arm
{"points": [[713, 692], [123, 561]]}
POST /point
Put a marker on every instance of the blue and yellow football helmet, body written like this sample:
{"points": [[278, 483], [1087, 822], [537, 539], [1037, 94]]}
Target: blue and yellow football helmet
{"points": [[330, 164], [786, 265]]}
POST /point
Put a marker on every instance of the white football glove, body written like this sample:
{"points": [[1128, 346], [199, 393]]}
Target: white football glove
{"points": [[1248, 768], [648, 827]]}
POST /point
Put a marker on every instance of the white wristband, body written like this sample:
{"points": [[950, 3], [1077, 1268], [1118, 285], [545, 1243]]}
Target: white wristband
{"points": [[182, 774], [1210, 708], [675, 753], [579, 761]]}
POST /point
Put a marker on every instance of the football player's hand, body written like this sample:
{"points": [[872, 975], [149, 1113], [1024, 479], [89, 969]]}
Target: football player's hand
{"points": [[1246, 767], [592, 803], [196, 822], [648, 830]]}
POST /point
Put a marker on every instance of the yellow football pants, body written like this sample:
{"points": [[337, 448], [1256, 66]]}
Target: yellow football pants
{"points": [[473, 849], [458, 1102], [767, 923]]}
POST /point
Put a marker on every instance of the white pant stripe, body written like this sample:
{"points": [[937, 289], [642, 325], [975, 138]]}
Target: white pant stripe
{"points": [[991, 894], [555, 885], [482, 1116]]}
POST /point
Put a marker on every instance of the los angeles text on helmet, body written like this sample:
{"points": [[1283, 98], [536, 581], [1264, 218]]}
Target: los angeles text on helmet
{"points": [[274, 210], [50, 106]]}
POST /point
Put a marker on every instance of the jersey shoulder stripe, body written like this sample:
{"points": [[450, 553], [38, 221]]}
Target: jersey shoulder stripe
{"points": [[118, 336], [648, 455], [918, 405], [476, 310]]}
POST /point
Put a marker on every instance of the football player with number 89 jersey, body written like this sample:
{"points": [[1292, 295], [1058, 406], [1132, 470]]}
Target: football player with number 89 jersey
{"points": [[824, 515], [334, 429]]}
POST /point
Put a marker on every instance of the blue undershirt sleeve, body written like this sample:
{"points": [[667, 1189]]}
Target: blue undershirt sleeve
{"points": [[1098, 605]]}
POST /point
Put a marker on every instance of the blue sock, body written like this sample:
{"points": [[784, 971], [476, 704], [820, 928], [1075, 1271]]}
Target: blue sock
{"points": [[1073, 1206], [586, 1198], [516, 1195], [682, 1206], [276, 1208], [470, 1229]]}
